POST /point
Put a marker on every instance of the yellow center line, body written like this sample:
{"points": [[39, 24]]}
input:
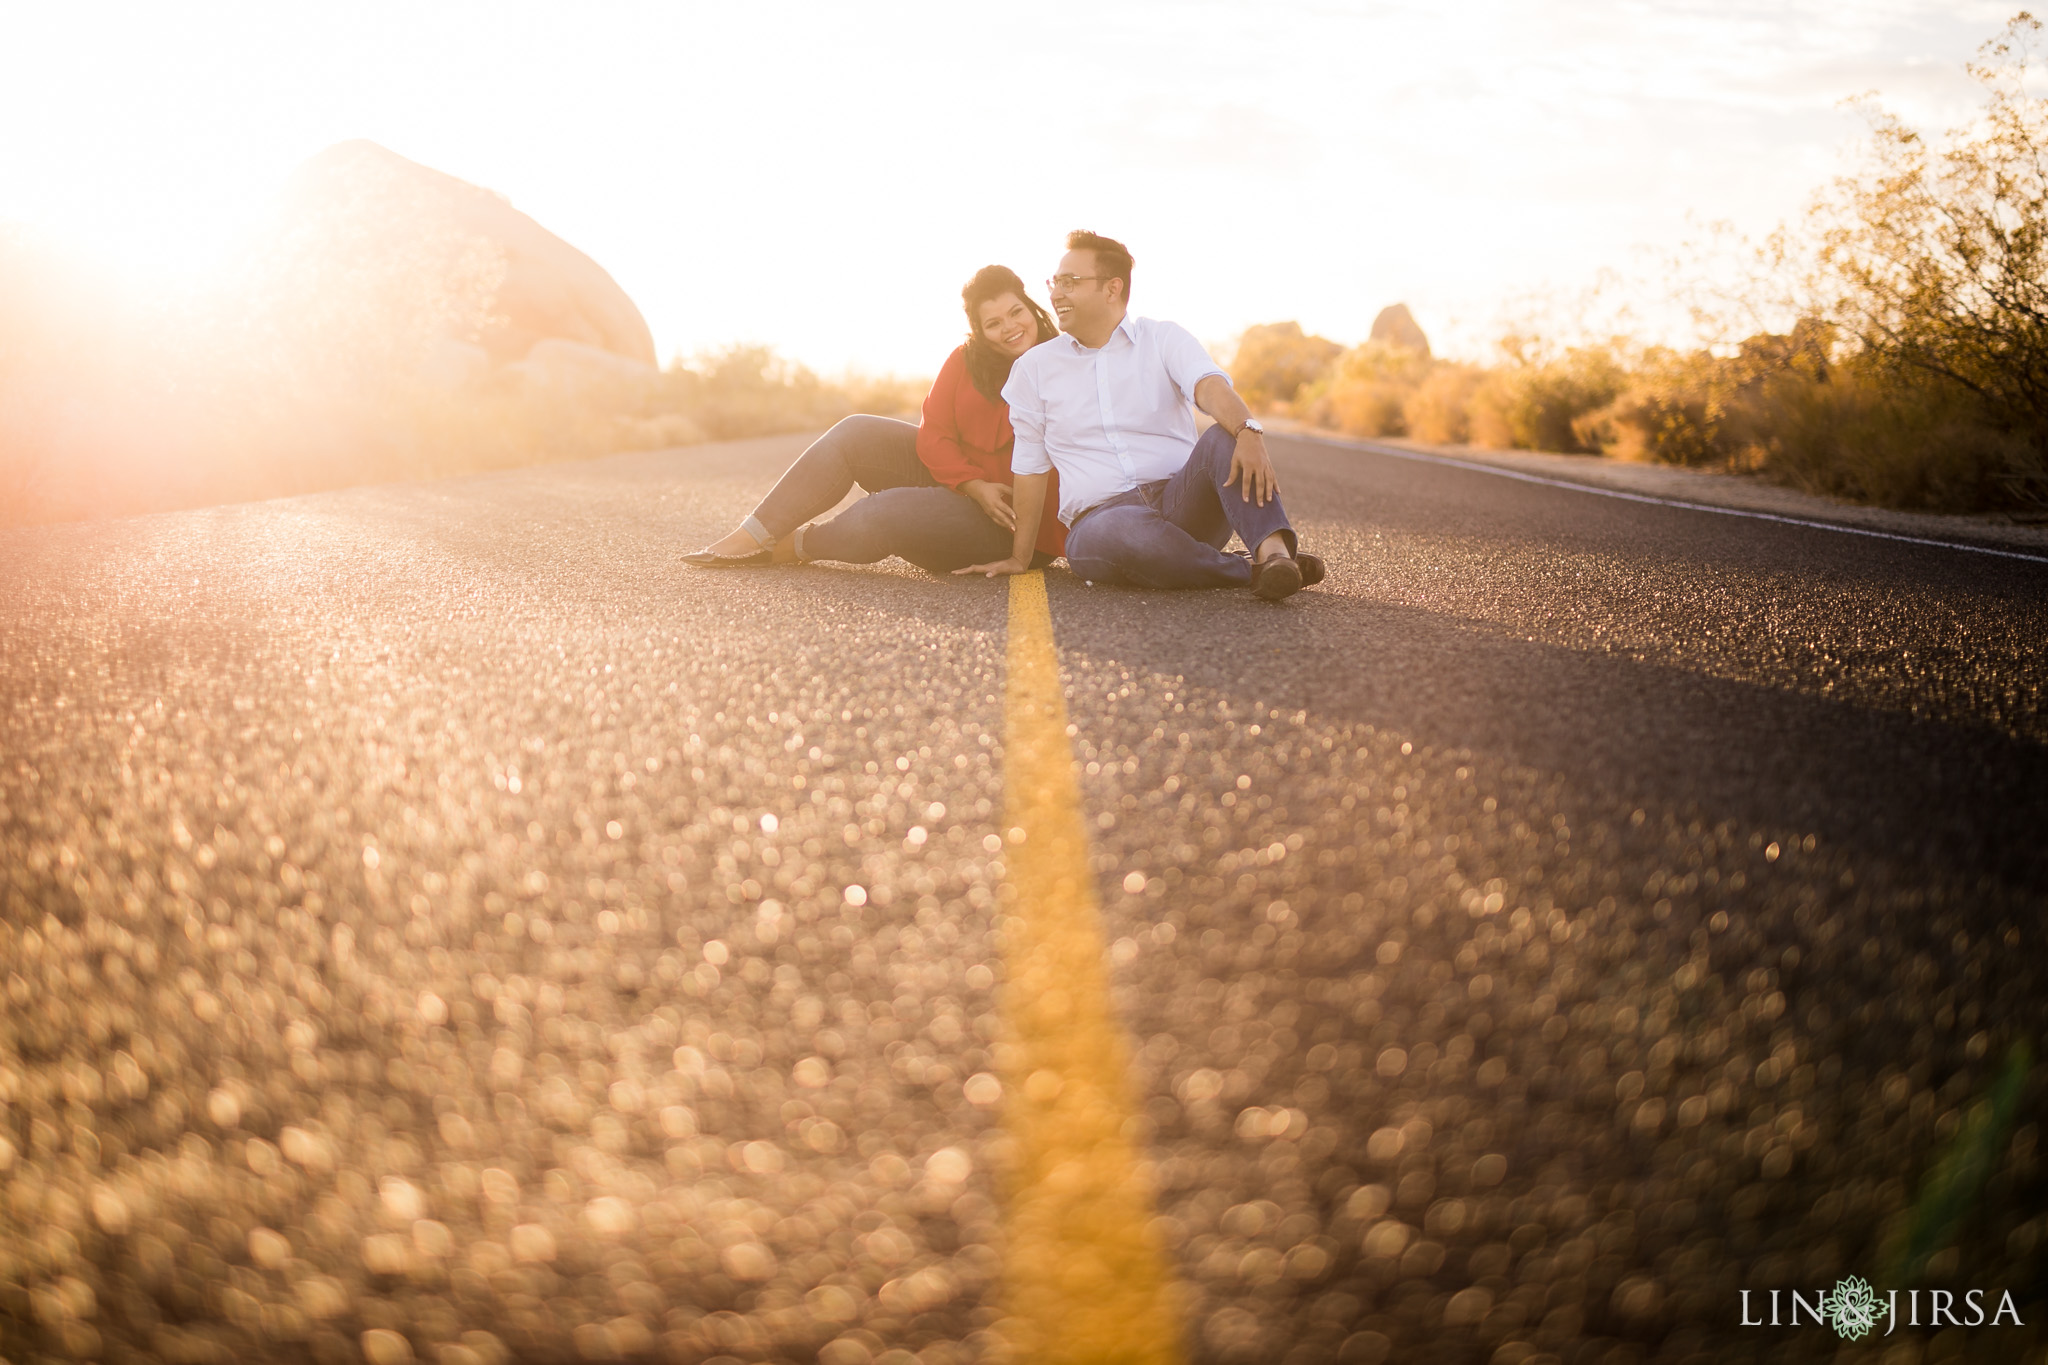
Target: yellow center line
{"points": [[1086, 1278]]}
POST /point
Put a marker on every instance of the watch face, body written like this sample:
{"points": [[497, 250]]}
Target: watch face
{"points": [[1252, 424]]}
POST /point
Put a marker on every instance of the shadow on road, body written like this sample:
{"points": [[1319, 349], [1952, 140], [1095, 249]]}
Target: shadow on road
{"points": [[1946, 798]]}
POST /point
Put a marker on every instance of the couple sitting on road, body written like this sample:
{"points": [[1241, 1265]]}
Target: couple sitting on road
{"points": [[1035, 445]]}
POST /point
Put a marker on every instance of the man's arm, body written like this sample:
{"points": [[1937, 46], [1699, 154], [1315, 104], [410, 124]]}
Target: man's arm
{"points": [[1030, 510], [1250, 462]]}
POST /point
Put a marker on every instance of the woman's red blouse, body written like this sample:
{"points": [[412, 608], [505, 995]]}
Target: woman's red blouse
{"points": [[965, 436]]}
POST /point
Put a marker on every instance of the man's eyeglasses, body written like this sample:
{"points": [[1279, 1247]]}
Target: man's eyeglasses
{"points": [[1069, 281]]}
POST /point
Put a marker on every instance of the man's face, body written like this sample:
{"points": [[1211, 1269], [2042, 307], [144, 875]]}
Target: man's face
{"points": [[1088, 305]]}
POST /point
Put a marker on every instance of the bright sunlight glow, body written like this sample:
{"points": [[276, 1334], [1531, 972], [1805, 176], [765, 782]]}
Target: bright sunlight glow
{"points": [[822, 177]]}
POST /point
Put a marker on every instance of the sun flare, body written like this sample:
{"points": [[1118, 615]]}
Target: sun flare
{"points": [[163, 228]]}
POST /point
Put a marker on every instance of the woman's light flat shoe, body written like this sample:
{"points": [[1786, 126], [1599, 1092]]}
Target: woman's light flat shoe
{"points": [[711, 559]]}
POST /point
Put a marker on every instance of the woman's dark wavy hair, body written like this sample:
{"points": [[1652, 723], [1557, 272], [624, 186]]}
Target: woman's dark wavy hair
{"points": [[988, 368]]}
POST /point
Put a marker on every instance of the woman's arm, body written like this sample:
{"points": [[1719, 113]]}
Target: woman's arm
{"points": [[1031, 469], [938, 434], [1030, 507], [939, 446], [994, 501]]}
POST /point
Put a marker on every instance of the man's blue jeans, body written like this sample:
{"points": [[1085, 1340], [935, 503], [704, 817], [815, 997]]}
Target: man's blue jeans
{"points": [[1171, 534]]}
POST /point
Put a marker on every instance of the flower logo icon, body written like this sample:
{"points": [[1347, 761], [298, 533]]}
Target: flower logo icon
{"points": [[1851, 1308]]}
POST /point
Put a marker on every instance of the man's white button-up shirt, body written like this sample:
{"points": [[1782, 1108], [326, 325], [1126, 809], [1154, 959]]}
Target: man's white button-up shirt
{"points": [[1108, 419]]}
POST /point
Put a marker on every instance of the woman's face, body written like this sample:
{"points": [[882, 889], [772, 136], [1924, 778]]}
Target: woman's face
{"points": [[1007, 325]]}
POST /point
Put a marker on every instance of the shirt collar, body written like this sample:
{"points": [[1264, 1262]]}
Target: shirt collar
{"points": [[1129, 327]]}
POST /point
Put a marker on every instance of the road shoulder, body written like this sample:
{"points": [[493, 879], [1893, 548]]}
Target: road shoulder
{"points": [[1735, 492]]}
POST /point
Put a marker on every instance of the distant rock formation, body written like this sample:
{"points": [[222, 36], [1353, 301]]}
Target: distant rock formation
{"points": [[1396, 327], [508, 291]]}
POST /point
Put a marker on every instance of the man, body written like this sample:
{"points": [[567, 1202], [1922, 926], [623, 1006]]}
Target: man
{"points": [[1106, 404]]}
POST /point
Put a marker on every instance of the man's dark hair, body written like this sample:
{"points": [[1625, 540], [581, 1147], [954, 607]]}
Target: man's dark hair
{"points": [[1112, 258]]}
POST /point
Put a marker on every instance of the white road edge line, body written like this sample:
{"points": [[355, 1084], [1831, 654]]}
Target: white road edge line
{"points": [[1598, 491]]}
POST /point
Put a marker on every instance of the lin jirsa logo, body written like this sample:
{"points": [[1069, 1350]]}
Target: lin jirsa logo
{"points": [[1853, 1309]]}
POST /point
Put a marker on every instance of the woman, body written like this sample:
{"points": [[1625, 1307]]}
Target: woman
{"points": [[940, 490]]}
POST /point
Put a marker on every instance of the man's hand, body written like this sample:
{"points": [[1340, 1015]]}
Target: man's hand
{"points": [[996, 570], [1251, 468], [995, 500]]}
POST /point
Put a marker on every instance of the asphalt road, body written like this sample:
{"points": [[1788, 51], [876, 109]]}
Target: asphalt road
{"points": [[438, 925]]}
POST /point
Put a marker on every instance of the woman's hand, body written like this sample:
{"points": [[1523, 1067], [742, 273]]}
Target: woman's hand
{"points": [[995, 500], [997, 569]]}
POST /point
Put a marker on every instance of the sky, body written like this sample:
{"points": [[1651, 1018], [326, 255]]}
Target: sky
{"points": [[823, 177]]}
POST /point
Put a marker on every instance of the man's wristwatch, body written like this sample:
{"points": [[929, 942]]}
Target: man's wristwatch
{"points": [[1250, 424]]}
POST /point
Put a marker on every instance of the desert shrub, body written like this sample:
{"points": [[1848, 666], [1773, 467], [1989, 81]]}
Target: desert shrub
{"points": [[1365, 391], [883, 395], [1655, 421], [1802, 409], [1276, 360], [1371, 408], [1861, 434], [1935, 259], [1703, 410], [1439, 408], [1486, 410], [747, 390], [1533, 403]]}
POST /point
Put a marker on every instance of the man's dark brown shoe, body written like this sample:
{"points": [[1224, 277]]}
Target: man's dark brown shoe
{"points": [[1276, 578]]}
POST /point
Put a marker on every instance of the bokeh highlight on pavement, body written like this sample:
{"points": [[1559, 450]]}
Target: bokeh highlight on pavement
{"points": [[439, 926]]}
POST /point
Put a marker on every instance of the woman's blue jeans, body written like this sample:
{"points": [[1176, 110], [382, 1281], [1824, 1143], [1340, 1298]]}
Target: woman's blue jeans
{"points": [[1171, 533], [906, 513]]}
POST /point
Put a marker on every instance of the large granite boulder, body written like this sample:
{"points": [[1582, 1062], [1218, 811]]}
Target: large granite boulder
{"points": [[1396, 326], [399, 239]]}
